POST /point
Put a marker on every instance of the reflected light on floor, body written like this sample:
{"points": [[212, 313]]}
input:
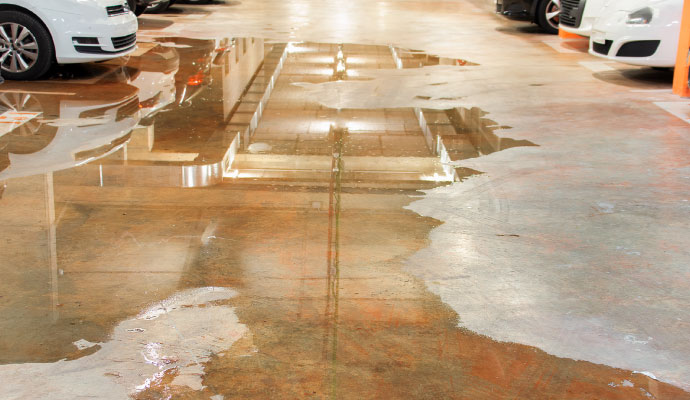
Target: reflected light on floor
{"points": [[320, 127], [437, 178], [354, 126], [294, 47], [318, 60], [323, 71]]}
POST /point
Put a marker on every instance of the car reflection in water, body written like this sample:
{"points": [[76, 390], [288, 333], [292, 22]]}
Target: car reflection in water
{"points": [[154, 74], [194, 69], [86, 112], [57, 124]]}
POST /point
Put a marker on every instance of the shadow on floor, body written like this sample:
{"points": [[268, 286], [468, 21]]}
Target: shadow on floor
{"points": [[519, 30], [638, 78]]}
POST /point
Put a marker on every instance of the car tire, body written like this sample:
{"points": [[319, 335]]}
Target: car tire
{"points": [[547, 15], [26, 47], [140, 9], [136, 8], [158, 7]]}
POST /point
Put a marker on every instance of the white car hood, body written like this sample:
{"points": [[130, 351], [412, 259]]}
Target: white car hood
{"points": [[84, 8], [103, 3]]}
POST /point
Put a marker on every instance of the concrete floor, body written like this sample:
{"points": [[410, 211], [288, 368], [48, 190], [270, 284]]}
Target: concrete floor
{"points": [[317, 199]]}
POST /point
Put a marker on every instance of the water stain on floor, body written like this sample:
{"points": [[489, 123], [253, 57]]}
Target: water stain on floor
{"points": [[216, 165]]}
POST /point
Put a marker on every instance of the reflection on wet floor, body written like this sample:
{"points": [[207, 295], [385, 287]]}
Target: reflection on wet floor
{"points": [[205, 166], [638, 78], [58, 125]]}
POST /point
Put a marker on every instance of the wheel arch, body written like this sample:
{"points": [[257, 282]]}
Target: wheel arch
{"points": [[14, 7], [533, 10]]}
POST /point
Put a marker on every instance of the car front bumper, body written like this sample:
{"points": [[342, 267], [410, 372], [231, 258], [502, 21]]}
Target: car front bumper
{"points": [[107, 37], [584, 29], [652, 44]]}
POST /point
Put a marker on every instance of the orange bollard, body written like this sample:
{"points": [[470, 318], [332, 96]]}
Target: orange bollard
{"points": [[567, 35], [681, 86]]}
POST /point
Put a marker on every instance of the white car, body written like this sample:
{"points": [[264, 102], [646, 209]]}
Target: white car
{"points": [[638, 32], [36, 33], [578, 16]]}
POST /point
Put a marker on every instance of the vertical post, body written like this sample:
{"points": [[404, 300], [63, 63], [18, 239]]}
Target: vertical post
{"points": [[680, 76], [52, 241]]}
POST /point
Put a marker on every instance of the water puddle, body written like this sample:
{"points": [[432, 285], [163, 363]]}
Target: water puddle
{"points": [[169, 342], [281, 170]]}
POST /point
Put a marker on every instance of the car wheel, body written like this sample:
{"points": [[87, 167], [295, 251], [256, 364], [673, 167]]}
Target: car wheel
{"points": [[33, 135], [139, 9], [158, 6], [26, 47], [548, 12], [136, 8]]}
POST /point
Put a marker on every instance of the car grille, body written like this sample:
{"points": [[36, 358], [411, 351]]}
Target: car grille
{"points": [[116, 10], [124, 41], [602, 48], [571, 12]]}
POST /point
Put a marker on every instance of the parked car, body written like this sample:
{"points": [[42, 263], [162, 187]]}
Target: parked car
{"points": [[544, 13], [159, 6], [578, 16], [638, 32], [36, 33], [138, 6]]}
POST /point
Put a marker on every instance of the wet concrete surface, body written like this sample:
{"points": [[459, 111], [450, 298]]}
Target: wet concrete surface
{"points": [[225, 216]]}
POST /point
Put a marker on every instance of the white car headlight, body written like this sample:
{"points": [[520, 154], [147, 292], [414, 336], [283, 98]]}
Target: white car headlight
{"points": [[640, 17]]}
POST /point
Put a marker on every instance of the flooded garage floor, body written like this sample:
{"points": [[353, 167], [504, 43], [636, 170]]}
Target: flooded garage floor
{"points": [[361, 200]]}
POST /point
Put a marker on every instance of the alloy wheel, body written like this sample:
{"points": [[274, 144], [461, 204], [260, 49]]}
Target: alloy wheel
{"points": [[18, 48], [553, 10], [23, 102]]}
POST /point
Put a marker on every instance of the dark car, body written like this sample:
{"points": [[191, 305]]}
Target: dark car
{"points": [[138, 6], [544, 13], [159, 6]]}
